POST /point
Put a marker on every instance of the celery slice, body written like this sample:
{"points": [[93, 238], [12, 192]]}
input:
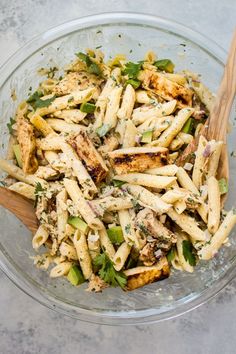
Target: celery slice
{"points": [[75, 276], [223, 186], [87, 107], [115, 234], [147, 137], [78, 223]]}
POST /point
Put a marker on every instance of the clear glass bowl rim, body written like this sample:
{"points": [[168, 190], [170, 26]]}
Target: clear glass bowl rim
{"points": [[109, 318]]}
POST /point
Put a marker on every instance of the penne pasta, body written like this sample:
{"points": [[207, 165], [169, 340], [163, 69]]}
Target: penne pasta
{"points": [[127, 228], [40, 237], [213, 205], [168, 170], [147, 198], [60, 125], [83, 255], [209, 250], [24, 189], [161, 182], [62, 214], [127, 104], [141, 114], [82, 205], [130, 133], [198, 167], [106, 243], [170, 133], [187, 224], [121, 256]]}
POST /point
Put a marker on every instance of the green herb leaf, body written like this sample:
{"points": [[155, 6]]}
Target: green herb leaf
{"points": [[170, 255], [108, 273], [189, 256], [223, 186], [35, 96], [10, 124], [132, 69], [134, 83], [117, 183], [87, 107], [93, 68], [37, 102], [165, 65]]}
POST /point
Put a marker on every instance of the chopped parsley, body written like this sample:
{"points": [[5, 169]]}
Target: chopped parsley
{"points": [[132, 69], [93, 68], [36, 101], [189, 256], [128, 228], [10, 124], [117, 183], [108, 273], [134, 83]]}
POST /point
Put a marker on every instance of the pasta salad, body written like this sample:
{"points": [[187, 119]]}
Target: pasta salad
{"points": [[97, 150]]}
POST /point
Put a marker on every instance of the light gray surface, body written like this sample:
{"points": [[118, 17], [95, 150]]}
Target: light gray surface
{"points": [[26, 326]]}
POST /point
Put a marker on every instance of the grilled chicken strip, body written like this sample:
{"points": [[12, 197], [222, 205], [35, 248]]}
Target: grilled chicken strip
{"points": [[138, 159], [90, 156], [140, 276], [77, 81], [27, 141], [167, 89]]}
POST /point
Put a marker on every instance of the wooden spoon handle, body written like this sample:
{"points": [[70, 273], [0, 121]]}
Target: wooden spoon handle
{"points": [[219, 115], [20, 206]]}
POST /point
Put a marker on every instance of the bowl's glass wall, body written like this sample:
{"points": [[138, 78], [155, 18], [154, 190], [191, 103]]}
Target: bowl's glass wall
{"points": [[134, 40]]}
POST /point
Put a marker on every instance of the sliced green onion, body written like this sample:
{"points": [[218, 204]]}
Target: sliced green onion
{"points": [[118, 183], [223, 186], [165, 65], [147, 137], [78, 223], [87, 107], [101, 131], [17, 152], [115, 234], [188, 126], [75, 276], [134, 83]]}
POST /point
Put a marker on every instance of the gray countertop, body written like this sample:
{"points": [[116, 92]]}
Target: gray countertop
{"points": [[28, 327]]}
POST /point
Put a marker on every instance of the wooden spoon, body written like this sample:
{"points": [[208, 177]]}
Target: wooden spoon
{"points": [[22, 207], [217, 123]]}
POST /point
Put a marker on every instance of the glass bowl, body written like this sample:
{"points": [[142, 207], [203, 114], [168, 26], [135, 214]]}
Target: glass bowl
{"points": [[133, 35]]}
